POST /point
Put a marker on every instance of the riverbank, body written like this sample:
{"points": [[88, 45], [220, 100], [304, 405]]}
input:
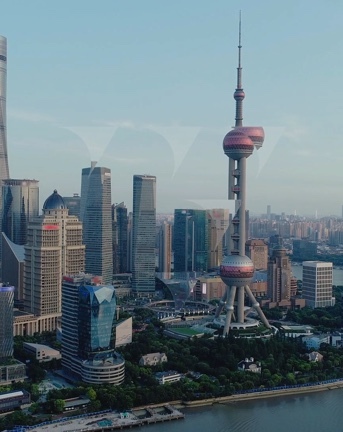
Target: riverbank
{"points": [[253, 395], [264, 394]]}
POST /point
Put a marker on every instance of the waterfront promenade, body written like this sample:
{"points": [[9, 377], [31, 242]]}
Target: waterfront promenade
{"points": [[107, 420]]}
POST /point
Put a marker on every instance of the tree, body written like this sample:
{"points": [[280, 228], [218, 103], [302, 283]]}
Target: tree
{"points": [[59, 405], [91, 394], [94, 406], [34, 408]]}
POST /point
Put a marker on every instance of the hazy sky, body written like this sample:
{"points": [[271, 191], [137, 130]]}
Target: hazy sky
{"points": [[146, 87]]}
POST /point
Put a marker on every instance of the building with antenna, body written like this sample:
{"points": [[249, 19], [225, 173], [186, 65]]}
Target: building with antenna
{"points": [[237, 270], [4, 170]]}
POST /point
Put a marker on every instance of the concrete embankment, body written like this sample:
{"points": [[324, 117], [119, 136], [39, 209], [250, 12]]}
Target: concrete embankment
{"points": [[264, 394]]}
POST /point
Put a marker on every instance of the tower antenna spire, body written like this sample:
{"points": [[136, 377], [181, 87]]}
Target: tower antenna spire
{"points": [[239, 94]]}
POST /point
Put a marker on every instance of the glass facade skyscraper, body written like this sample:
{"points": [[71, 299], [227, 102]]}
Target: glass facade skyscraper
{"points": [[190, 240], [20, 203], [10, 370], [88, 331], [73, 204], [95, 213], [143, 234], [120, 238], [6, 321], [96, 321]]}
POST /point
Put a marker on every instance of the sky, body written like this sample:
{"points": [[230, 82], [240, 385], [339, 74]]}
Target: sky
{"points": [[146, 87]]}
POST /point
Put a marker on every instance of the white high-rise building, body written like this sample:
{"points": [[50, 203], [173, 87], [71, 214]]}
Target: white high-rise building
{"points": [[317, 284]]}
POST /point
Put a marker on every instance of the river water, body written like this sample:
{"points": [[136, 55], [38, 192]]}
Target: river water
{"points": [[312, 412]]}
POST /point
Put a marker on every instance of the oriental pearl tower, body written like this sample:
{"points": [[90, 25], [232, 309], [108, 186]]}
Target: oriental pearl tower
{"points": [[236, 269]]}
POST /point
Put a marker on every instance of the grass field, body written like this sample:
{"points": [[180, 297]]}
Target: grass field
{"points": [[185, 331]]}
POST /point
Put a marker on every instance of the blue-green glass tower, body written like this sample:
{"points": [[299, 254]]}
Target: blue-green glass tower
{"points": [[190, 240]]}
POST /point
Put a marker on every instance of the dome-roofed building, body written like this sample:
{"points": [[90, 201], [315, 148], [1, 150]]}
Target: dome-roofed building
{"points": [[54, 248], [54, 202]]}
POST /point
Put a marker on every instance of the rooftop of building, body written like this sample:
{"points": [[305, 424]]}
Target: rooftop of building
{"points": [[54, 202], [38, 346], [317, 264], [18, 250], [19, 313]]}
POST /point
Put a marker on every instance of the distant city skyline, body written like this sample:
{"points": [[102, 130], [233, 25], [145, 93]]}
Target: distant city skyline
{"points": [[150, 91]]}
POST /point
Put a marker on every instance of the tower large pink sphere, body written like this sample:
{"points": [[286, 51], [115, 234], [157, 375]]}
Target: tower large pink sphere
{"points": [[255, 133], [237, 145], [236, 270]]}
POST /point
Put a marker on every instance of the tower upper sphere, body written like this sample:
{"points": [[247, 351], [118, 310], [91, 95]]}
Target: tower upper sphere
{"points": [[255, 133], [237, 145], [239, 95]]}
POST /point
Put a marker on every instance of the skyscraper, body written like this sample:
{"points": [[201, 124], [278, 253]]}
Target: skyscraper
{"points": [[13, 268], [317, 284], [165, 236], [73, 204], [20, 200], [120, 237], [143, 234], [10, 370], [237, 269], [257, 251], [88, 331], [279, 276], [97, 221], [218, 223], [54, 248], [190, 240], [6, 321], [4, 170]]}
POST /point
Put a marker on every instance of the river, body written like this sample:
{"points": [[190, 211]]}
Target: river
{"points": [[337, 275], [312, 412]]}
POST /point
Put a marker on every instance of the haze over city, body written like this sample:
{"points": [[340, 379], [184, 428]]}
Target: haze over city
{"points": [[155, 96]]}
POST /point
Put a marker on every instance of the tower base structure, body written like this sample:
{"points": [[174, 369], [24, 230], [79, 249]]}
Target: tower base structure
{"points": [[237, 271]]}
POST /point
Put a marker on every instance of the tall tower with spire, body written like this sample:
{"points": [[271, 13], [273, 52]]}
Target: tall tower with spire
{"points": [[4, 171], [237, 269]]}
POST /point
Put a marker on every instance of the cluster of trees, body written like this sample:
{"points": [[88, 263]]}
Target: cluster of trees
{"points": [[212, 361], [323, 319]]}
